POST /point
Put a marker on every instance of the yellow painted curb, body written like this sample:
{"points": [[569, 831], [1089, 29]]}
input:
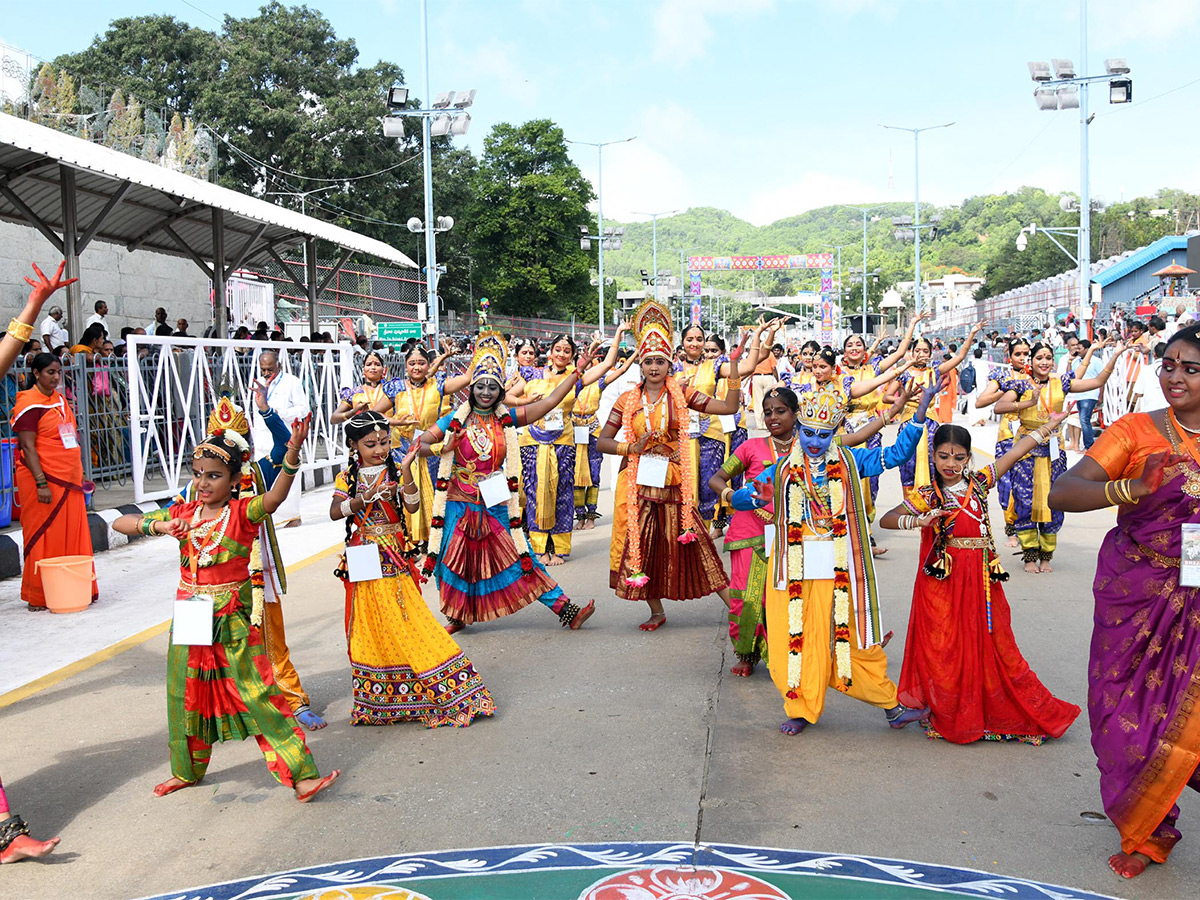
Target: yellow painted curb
{"points": [[16, 695]]}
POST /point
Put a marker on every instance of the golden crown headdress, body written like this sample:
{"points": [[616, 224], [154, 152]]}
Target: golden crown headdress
{"points": [[227, 417], [821, 409], [653, 330], [490, 357]]}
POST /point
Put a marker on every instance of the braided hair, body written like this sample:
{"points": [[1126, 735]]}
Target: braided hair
{"points": [[356, 428]]}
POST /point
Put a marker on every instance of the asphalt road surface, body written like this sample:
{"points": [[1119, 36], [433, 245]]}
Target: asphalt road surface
{"points": [[603, 734]]}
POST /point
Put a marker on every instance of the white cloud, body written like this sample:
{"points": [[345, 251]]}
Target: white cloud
{"points": [[810, 191], [682, 30]]}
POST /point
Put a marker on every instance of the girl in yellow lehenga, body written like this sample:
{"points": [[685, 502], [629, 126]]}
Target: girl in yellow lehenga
{"points": [[404, 665], [588, 459]]}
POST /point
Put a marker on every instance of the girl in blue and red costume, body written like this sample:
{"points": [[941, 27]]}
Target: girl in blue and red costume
{"points": [[477, 551]]}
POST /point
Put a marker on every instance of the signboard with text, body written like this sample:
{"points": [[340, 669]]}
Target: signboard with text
{"points": [[393, 334]]}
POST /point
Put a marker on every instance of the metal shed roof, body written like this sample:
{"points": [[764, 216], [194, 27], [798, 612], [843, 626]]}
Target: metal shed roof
{"points": [[1138, 258], [157, 201]]}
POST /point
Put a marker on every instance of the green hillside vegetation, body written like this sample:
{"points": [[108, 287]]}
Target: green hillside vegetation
{"points": [[977, 237]]}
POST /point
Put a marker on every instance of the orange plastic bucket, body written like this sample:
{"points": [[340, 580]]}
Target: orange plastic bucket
{"points": [[67, 581]]}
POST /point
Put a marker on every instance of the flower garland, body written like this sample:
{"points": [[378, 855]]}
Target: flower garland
{"points": [[632, 400], [512, 466], [799, 502]]}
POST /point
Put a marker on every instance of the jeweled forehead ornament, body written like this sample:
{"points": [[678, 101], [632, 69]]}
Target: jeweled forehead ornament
{"points": [[822, 410]]}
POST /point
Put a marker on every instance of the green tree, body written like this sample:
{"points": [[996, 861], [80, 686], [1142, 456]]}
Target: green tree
{"points": [[529, 201], [159, 58]]}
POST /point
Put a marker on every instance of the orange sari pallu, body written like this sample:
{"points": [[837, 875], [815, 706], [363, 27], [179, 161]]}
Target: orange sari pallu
{"points": [[60, 527]]}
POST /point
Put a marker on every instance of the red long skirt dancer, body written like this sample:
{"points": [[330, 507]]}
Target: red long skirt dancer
{"points": [[961, 658], [660, 548]]}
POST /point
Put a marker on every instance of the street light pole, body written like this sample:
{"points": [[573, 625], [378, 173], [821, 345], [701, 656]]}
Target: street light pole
{"points": [[431, 300], [1085, 203], [600, 145], [654, 231], [916, 133]]}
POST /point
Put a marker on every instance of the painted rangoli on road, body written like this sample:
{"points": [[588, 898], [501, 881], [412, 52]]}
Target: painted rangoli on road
{"points": [[626, 871]]}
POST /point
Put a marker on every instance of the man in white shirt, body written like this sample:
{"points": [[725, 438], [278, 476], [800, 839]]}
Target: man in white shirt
{"points": [[285, 395], [54, 334], [99, 317]]}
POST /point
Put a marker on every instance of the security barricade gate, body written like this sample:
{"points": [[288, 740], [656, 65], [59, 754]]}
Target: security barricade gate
{"points": [[176, 384]]}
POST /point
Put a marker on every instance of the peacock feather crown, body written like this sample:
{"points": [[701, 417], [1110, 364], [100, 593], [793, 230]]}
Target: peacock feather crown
{"points": [[653, 330], [822, 409]]}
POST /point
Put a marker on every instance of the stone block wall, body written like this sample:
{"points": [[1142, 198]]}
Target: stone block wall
{"points": [[132, 284]]}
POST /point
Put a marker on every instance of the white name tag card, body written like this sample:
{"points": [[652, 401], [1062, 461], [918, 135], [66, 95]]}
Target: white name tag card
{"points": [[1189, 556], [728, 423], [363, 563], [1053, 448], [693, 422], [66, 433], [818, 560], [192, 622], [494, 490], [553, 420], [582, 434], [769, 541], [652, 471]]}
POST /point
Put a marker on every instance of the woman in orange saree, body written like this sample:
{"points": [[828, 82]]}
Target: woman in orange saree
{"points": [[660, 548], [49, 477], [15, 841], [1144, 671]]}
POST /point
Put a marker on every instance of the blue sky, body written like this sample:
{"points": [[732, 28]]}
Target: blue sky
{"points": [[771, 107]]}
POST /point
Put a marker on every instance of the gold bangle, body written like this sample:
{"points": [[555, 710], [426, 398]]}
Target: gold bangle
{"points": [[19, 330], [726, 495], [1127, 492], [622, 449], [887, 417], [1107, 495]]}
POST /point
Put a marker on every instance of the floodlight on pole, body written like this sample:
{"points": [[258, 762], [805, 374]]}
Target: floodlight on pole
{"points": [[600, 145], [1070, 91], [437, 120], [397, 97]]}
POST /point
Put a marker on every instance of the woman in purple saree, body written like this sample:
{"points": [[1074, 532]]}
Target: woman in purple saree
{"points": [[1144, 669]]}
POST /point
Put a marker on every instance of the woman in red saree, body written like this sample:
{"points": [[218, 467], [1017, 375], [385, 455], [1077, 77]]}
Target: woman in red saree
{"points": [[1144, 671], [961, 658], [49, 476]]}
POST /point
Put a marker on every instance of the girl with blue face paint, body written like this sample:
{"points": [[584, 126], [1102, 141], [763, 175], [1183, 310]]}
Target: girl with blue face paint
{"points": [[820, 591]]}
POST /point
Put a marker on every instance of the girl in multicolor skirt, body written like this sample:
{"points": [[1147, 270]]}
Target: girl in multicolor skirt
{"points": [[404, 666], [477, 551], [225, 689]]}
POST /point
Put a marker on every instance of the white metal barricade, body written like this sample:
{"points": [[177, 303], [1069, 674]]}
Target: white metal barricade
{"points": [[174, 387]]}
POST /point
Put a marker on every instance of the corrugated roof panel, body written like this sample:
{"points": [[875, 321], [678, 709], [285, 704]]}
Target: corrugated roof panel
{"points": [[101, 168], [1172, 243]]}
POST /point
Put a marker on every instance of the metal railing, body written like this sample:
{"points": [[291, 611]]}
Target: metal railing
{"points": [[175, 382], [98, 390]]}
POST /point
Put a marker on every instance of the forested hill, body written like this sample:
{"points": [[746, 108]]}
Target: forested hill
{"points": [[977, 237]]}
